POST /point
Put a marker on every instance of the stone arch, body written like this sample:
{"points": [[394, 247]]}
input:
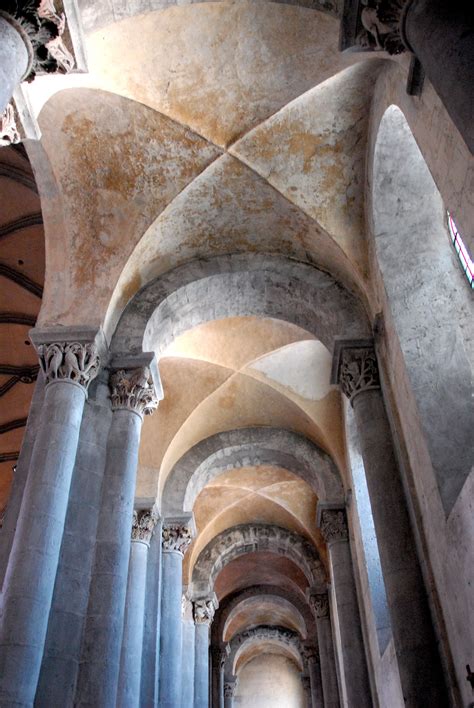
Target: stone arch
{"points": [[249, 447], [229, 603], [265, 635], [296, 622], [247, 538], [414, 256], [238, 285]]}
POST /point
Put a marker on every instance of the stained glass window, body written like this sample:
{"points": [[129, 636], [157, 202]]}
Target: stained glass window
{"points": [[461, 250]]}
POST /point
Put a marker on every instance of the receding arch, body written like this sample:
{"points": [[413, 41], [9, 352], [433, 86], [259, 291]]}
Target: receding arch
{"points": [[247, 538], [238, 285], [262, 636], [252, 611], [243, 447]]}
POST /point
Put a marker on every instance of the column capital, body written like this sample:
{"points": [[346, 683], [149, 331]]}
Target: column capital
{"points": [[143, 525], [229, 688], [332, 521], [133, 390], [319, 603], [375, 25], [176, 536], [355, 366], [76, 362], [204, 609], [310, 652], [43, 27]]}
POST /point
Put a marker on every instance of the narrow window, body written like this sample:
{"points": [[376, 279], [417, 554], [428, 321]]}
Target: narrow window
{"points": [[463, 255]]}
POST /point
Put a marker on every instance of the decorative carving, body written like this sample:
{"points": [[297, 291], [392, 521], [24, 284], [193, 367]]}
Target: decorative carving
{"points": [[69, 361], [229, 689], [143, 524], [134, 390], [203, 611], [358, 371], [382, 23], [334, 525], [176, 537], [42, 28], [310, 653], [9, 133], [320, 604]]}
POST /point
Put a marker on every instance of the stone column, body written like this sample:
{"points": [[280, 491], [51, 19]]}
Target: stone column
{"points": [[151, 632], [188, 655], [133, 395], [29, 580], [319, 602], [143, 524], [229, 690], [62, 650], [176, 539], [306, 683], [311, 656], [219, 655], [203, 613], [333, 524], [419, 665], [15, 57]]}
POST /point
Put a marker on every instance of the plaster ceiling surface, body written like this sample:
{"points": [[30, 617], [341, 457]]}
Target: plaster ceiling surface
{"points": [[258, 653], [260, 568], [21, 279], [263, 610], [234, 373], [137, 150]]}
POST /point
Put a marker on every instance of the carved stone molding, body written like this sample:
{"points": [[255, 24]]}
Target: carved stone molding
{"points": [[376, 25], [42, 25], [229, 689], [176, 537], [333, 525], [143, 524], [133, 390], [9, 133], [204, 610], [69, 361], [310, 652], [320, 604], [358, 370]]}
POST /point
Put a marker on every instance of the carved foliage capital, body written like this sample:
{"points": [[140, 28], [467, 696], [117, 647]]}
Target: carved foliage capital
{"points": [[69, 361], [9, 133], [42, 24], [176, 537], [229, 689], [320, 604], [310, 653], [381, 25], [203, 611], [358, 371], [133, 390], [334, 525], [143, 524]]}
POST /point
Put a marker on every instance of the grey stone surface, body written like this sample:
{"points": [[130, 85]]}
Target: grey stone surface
{"points": [[32, 566], [13, 61], [100, 663], [128, 695], [430, 302], [201, 665], [8, 529], [249, 447], [62, 651], [171, 630], [188, 664], [319, 599], [151, 630], [419, 665], [314, 671], [237, 285], [248, 538], [352, 657]]}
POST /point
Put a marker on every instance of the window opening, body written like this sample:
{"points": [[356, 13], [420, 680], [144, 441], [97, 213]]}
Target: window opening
{"points": [[463, 255]]}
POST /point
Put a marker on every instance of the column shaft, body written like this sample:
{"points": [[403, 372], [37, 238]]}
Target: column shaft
{"points": [[314, 670], [151, 632], [419, 664], [60, 665], [171, 630], [188, 654], [31, 571], [201, 666], [328, 663], [13, 60], [132, 642], [99, 672]]}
